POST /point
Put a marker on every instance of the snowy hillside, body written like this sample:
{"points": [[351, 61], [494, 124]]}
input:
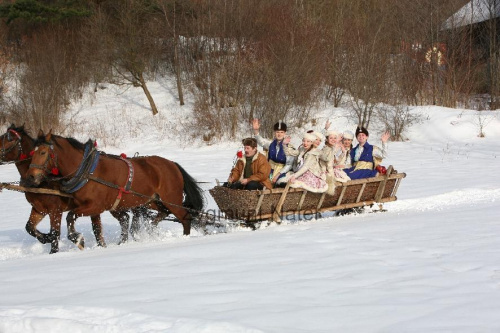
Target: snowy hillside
{"points": [[431, 263]]}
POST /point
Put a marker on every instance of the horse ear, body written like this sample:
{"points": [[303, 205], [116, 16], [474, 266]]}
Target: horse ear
{"points": [[48, 137], [40, 133]]}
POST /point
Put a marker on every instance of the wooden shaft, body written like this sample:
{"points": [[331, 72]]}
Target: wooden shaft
{"points": [[34, 190]]}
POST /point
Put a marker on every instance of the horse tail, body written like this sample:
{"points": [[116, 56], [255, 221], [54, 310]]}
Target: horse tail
{"points": [[194, 199]]}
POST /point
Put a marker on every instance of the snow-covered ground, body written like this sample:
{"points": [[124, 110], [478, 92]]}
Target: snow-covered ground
{"points": [[431, 263]]}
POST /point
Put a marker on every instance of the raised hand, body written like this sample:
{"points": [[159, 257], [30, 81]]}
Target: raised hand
{"points": [[256, 124], [327, 125], [386, 136]]}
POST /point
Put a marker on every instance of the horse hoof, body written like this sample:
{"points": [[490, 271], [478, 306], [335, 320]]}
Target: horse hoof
{"points": [[77, 239], [80, 242], [54, 249]]}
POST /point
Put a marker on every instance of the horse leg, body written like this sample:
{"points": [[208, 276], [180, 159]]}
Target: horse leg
{"points": [[97, 229], [55, 231], [123, 219], [135, 226], [185, 218], [34, 220], [186, 223], [158, 218], [73, 235], [182, 215]]}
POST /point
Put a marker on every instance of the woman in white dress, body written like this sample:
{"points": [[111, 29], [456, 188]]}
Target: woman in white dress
{"points": [[308, 174]]}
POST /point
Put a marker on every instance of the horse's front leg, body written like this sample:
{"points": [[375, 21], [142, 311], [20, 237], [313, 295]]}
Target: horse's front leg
{"points": [[73, 235], [34, 220], [123, 219], [55, 230], [97, 228]]}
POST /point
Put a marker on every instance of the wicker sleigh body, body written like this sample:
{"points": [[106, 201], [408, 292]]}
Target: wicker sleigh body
{"points": [[275, 203]]}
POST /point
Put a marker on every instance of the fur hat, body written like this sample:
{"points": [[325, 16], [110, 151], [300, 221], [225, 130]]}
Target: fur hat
{"points": [[310, 136], [280, 126], [319, 135], [348, 135], [335, 133], [361, 129], [249, 142]]}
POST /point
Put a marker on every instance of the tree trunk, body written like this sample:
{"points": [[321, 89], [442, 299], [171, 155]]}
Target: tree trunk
{"points": [[148, 94], [177, 67]]}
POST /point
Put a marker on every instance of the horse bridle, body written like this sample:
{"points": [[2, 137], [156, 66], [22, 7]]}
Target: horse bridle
{"points": [[51, 156], [17, 144]]}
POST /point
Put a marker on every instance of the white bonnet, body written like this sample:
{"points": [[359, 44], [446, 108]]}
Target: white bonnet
{"points": [[334, 133], [318, 135], [348, 135], [310, 136]]}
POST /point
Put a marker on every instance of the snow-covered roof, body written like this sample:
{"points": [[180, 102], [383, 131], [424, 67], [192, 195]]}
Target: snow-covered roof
{"points": [[474, 12]]}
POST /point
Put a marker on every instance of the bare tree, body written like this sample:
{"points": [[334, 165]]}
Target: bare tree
{"points": [[126, 29], [175, 13]]}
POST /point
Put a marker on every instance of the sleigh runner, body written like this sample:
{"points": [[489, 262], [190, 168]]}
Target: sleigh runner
{"points": [[274, 204]]}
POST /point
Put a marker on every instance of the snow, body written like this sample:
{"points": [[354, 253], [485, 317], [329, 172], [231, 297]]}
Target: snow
{"points": [[475, 11], [431, 263]]}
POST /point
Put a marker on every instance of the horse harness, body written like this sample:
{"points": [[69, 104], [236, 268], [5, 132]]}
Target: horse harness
{"points": [[3, 151], [85, 173], [128, 185]]}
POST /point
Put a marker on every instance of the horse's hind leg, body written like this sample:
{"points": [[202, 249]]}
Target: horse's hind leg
{"points": [[97, 229], [123, 219], [184, 217], [73, 235]]}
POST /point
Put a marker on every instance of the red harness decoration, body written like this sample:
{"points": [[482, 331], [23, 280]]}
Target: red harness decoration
{"points": [[128, 185]]}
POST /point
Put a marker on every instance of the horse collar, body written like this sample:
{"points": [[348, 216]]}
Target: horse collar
{"points": [[86, 168]]}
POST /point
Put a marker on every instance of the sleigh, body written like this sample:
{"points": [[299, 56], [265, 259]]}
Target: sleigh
{"points": [[275, 204]]}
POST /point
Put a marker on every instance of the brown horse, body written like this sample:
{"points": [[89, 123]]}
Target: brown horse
{"points": [[116, 184], [16, 147]]}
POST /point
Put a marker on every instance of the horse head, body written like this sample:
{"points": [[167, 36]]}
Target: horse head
{"points": [[43, 160], [11, 148]]}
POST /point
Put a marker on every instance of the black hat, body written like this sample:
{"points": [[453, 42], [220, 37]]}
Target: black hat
{"points": [[280, 126], [361, 129], [249, 142]]}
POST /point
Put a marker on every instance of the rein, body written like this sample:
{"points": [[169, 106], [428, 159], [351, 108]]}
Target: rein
{"points": [[85, 171]]}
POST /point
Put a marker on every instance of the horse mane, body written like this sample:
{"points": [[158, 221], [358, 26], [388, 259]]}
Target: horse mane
{"points": [[72, 141], [75, 143], [19, 129]]}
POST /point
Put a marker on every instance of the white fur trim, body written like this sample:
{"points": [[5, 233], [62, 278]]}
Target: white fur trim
{"points": [[310, 136]]}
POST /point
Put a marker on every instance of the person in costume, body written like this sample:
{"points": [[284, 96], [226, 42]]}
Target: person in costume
{"points": [[280, 162], [251, 171], [331, 155], [308, 173], [347, 138], [365, 157]]}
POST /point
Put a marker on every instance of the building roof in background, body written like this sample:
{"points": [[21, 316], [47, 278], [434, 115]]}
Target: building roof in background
{"points": [[475, 11]]}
